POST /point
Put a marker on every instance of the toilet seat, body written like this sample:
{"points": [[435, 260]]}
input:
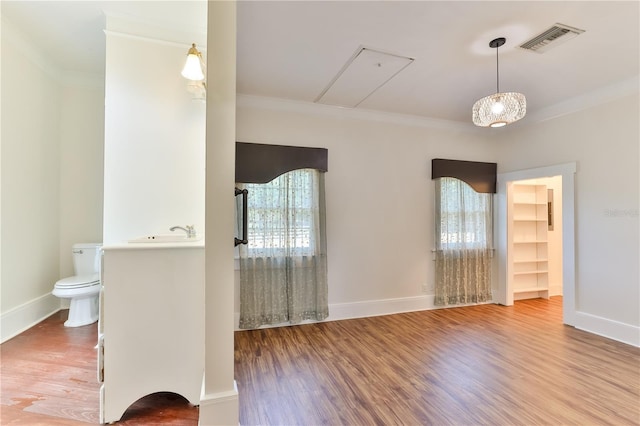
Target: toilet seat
{"points": [[78, 281]]}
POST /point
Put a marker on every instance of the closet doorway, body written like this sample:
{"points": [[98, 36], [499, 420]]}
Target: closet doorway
{"points": [[534, 258], [534, 237]]}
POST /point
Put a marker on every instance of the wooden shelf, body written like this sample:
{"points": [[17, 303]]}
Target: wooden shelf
{"points": [[533, 203], [530, 289], [533, 271], [527, 232]]}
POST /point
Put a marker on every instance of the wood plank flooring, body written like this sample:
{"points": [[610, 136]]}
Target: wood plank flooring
{"points": [[477, 365], [48, 377], [485, 364]]}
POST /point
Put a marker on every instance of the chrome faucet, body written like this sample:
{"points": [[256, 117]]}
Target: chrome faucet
{"points": [[190, 230]]}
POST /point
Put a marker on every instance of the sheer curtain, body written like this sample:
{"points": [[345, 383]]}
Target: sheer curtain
{"points": [[463, 243], [283, 268]]}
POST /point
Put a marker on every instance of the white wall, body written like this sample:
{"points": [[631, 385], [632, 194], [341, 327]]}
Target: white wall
{"points": [[555, 237], [31, 100], [379, 195], [219, 402], [81, 169], [52, 138], [604, 142], [154, 159], [379, 173]]}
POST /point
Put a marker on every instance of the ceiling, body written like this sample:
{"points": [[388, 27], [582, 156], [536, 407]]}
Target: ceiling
{"points": [[293, 49]]}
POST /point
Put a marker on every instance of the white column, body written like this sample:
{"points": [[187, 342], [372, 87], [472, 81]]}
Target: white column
{"points": [[219, 403]]}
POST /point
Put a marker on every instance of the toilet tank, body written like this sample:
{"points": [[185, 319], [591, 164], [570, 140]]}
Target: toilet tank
{"points": [[86, 258]]}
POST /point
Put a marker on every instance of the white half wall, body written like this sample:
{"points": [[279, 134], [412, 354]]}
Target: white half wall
{"points": [[154, 154]]}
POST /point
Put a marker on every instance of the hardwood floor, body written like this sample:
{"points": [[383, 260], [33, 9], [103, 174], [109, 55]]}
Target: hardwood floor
{"points": [[48, 377], [485, 364]]}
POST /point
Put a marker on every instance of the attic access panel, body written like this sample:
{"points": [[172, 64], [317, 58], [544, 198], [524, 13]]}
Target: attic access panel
{"points": [[363, 74]]}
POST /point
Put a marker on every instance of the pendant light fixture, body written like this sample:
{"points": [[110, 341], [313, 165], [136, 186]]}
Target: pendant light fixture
{"points": [[499, 109]]}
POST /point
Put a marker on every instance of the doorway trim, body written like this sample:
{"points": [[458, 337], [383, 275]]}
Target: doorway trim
{"points": [[567, 171]]}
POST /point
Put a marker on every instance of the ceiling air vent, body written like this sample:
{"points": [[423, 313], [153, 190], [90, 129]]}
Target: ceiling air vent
{"points": [[552, 37]]}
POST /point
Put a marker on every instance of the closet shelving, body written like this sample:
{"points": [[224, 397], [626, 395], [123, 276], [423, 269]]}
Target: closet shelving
{"points": [[529, 267]]}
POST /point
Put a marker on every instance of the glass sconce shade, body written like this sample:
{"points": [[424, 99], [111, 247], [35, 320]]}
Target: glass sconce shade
{"points": [[193, 68]]}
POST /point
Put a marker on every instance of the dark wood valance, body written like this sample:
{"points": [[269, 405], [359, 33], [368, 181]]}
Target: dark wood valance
{"points": [[480, 176], [261, 163]]}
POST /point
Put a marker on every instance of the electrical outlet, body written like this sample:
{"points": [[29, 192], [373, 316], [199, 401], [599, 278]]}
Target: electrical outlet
{"points": [[427, 288]]}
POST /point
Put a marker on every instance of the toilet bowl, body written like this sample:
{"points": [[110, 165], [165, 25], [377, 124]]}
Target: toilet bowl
{"points": [[84, 287]]}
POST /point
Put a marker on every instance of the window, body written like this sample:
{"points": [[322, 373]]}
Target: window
{"points": [[282, 214], [464, 216], [283, 269], [463, 243]]}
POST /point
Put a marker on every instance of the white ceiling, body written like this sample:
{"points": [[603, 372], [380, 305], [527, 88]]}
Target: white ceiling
{"points": [[293, 49]]}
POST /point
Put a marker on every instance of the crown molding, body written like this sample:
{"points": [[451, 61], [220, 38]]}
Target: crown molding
{"points": [[588, 100], [51, 68], [29, 50], [144, 30], [278, 104], [585, 101], [180, 45]]}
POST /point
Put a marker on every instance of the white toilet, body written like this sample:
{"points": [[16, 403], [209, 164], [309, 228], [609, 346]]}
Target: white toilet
{"points": [[84, 287]]}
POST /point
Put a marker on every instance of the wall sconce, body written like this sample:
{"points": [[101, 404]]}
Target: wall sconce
{"points": [[193, 68], [194, 71]]}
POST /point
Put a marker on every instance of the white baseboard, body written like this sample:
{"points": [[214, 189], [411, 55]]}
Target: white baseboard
{"points": [[340, 311], [220, 408], [373, 308], [615, 330], [25, 316]]}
